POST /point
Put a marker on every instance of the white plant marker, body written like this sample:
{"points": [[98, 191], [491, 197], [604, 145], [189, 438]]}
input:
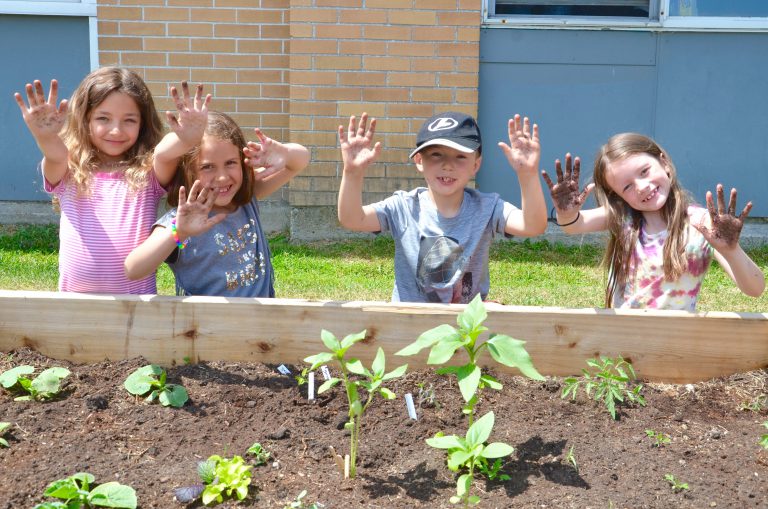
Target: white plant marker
{"points": [[284, 370], [311, 386], [325, 371], [410, 406], [346, 466]]}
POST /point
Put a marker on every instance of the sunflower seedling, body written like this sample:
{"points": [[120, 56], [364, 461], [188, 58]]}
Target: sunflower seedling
{"points": [[43, 387], [571, 459], [76, 493], [261, 455], [658, 437], [610, 380], [300, 504], [151, 379], [764, 438], [355, 376], [675, 483], [3, 427], [221, 477], [444, 340]]}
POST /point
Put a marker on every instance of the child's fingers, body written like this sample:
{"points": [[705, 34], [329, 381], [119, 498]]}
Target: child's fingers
{"points": [[261, 136], [526, 126], [559, 168], [194, 192], [548, 180], [362, 124], [585, 193], [204, 107], [182, 195], [711, 205], [185, 91], [31, 98], [371, 128], [39, 92], [720, 200], [732, 203], [22, 105], [342, 138], [63, 106], [199, 96], [53, 93], [176, 99], [351, 127], [213, 221], [535, 134], [745, 212], [172, 120], [576, 168]]}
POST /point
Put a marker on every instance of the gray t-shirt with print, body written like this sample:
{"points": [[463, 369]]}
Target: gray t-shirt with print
{"points": [[439, 259], [231, 259]]}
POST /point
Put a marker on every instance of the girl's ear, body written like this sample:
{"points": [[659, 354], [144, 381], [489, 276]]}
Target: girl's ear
{"points": [[664, 160]]}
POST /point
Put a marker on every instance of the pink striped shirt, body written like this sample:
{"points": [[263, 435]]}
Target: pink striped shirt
{"points": [[98, 231]]}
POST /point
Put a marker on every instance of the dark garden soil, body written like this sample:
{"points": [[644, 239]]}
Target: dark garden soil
{"points": [[96, 426]]}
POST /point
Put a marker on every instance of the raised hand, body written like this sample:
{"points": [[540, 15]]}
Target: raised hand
{"points": [[191, 115], [356, 150], [524, 149], [43, 118], [723, 228], [267, 157], [192, 214], [565, 193]]}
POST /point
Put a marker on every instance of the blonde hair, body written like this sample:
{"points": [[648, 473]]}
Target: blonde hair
{"points": [[222, 127], [624, 222], [83, 156]]}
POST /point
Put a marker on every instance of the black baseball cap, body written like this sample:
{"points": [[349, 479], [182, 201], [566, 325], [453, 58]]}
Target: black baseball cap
{"points": [[450, 129]]}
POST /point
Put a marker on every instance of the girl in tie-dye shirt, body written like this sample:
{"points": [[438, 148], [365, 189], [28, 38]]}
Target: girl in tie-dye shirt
{"points": [[660, 246]]}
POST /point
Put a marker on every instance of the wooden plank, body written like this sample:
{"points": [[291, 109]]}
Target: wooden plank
{"points": [[670, 346]]}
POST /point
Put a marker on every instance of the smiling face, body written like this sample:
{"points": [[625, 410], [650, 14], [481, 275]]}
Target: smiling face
{"points": [[447, 170], [219, 168], [114, 126], [641, 180]]}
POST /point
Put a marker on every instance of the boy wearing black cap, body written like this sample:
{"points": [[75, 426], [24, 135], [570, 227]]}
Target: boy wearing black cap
{"points": [[443, 232]]}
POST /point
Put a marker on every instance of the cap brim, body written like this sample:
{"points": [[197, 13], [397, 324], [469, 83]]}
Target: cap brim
{"points": [[467, 146]]}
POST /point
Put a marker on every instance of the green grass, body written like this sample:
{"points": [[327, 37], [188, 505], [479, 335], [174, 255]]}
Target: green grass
{"points": [[522, 273]]}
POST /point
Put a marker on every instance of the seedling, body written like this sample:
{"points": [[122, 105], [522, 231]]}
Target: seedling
{"points": [[571, 459], [303, 377], [610, 381], [45, 386], [76, 493], [676, 484], [764, 438], [371, 381], [261, 455], [469, 454], [221, 477], [4, 426], [658, 437], [756, 404], [300, 504], [151, 379], [426, 396], [444, 340]]}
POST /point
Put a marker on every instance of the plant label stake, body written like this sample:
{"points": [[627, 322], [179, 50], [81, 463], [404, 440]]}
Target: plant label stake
{"points": [[311, 387], [326, 372], [283, 370], [409, 405]]}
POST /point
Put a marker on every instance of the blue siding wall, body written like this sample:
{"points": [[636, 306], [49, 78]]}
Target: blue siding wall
{"points": [[700, 95], [34, 47]]}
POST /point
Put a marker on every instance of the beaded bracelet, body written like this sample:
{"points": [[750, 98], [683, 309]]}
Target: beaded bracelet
{"points": [[175, 235], [578, 215]]}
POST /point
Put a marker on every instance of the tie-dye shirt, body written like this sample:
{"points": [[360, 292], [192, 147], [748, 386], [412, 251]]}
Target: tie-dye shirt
{"points": [[648, 288]]}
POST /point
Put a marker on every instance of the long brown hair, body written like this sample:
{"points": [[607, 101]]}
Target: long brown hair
{"points": [[222, 127], [624, 222], [83, 157]]}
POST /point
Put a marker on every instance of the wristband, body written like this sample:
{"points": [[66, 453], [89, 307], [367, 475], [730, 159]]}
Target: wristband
{"points": [[578, 215], [175, 235]]}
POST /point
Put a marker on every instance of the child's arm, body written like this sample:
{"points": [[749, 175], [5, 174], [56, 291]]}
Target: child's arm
{"points": [[191, 219], [357, 154], [187, 130], [722, 230], [277, 162], [45, 122], [523, 154], [568, 200]]}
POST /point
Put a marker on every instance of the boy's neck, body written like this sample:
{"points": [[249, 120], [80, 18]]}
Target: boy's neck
{"points": [[447, 206]]}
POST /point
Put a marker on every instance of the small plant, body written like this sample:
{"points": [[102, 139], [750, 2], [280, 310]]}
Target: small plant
{"points": [[658, 437], [4, 426], [470, 453], [76, 493], [300, 504], [764, 439], [426, 396], [303, 377], [676, 484], [261, 455], [371, 382], [221, 477], [610, 381], [756, 404], [444, 340], [45, 386], [151, 379], [571, 459]]}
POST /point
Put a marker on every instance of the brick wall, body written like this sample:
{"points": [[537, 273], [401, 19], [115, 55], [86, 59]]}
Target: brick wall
{"points": [[299, 68]]}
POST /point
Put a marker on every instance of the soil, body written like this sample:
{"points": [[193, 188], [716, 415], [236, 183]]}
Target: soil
{"points": [[96, 426]]}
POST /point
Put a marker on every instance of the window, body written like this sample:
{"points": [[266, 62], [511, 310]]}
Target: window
{"points": [[49, 7]]}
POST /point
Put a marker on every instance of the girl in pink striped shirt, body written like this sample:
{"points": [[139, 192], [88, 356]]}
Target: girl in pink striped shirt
{"points": [[97, 163]]}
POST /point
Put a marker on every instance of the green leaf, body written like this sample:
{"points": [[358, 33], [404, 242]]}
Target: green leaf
{"points": [[491, 382], [141, 381], [510, 352], [328, 384], [319, 359], [48, 382], [473, 315], [395, 373], [379, 363], [480, 430], [387, 394], [469, 378], [443, 351], [497, 450], [356, 367], [116, 495], [174, 395], [9, 377], [352, 339], [446, 442], [457, 458], [464, 484], [330, 341], [356, 408], [429, 338], [62, 488]]}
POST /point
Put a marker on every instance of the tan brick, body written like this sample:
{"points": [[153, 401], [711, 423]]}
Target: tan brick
{"points": [[319, 169], [275, 61], [222, 104], [214, 45], [109, 58], [142, 28], [337, 63], [412, 49], [142, 3], [191, 29], [437, 95], [365, 79], [300, 62], [313, 78], [436, 5], [372, 94], [362, 47], [471, 34], [327, 184], [459, 18], [275, 91], [470, 64], [235, 30], [336, 32], [412, 79], [178, 59], [213, 15], [394, 125], [239, 61], [391, 4], [386, 63], [301, 184], [140, 59], [300, 93], [235, 3], [301, 30], [339, 3], [471, 5], [363, 17], [108, 28], [260, 46], [313, 108], [165, 43], [121, 13], [434, 64], [467, 96], [338, 94], [236, 90], [275, 31], [388, 33], [434, 34], [314, 47], [189, 3], [214, 75], [314, 15], [121, 43], [313, 198], [317, 138], [410, 17], [260, 105], [345, 109], [331, 123], [166, 14], [409, 110], [458, 80], [260, 16], [167, 75], [247, 75], [277, 4], [400, 141], [458, 50]]}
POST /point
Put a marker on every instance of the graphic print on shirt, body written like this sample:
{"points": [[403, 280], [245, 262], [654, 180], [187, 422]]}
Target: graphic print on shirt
{"points": [[440, 259], [240, 248]]}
